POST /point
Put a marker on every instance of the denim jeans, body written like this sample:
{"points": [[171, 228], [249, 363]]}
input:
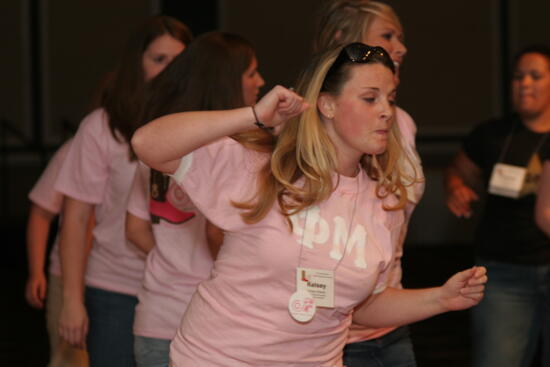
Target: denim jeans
{"points": [[391, 350], [151, 352], [110, 337], [508, 322]]}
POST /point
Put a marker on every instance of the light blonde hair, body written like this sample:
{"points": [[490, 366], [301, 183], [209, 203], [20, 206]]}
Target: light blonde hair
{"points": [[344, 21], [305, 152], [341, 22]]}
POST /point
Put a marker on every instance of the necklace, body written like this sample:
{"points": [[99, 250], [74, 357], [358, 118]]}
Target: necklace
{"points": [[302, 304], [508, 141]]}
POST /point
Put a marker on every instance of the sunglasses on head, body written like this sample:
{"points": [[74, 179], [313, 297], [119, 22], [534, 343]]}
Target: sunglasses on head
{"points": [[360, 53]]}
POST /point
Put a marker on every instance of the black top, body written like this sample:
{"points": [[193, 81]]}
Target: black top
{"points": [[507, 231], [545, 154]]}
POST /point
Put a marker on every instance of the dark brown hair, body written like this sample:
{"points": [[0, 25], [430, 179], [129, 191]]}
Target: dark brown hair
{"points": [[122, 93], [206, 76], [541, 49]]}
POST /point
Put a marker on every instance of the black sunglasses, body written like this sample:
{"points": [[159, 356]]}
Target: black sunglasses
{"points": [[358, 52]]}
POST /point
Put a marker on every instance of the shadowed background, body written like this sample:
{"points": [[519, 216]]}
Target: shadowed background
{"points": [[55, 52]]}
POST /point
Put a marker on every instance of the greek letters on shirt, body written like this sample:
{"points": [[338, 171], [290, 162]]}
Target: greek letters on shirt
{"points": [[319, 231]]}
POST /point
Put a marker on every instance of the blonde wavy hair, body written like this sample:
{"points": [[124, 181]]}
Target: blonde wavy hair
{"points": [[304, 152], [341, 22], [344, 21]]}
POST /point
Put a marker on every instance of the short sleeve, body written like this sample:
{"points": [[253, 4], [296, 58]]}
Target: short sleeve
{"points": [[215, 176], [43, 193], [85, 172], [139, 193], [407, 127], [545, 151], [473, 144], [413, 167], [384, 277]]}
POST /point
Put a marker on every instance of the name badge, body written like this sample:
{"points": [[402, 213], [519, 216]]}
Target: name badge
{"points": [[507, 180], [317, 282]]}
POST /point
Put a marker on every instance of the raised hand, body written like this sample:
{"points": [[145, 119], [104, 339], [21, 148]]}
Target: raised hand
{"points": [[279, 105]]}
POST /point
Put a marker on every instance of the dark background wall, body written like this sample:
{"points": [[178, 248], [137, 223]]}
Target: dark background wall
{"points": [[55, 53]]}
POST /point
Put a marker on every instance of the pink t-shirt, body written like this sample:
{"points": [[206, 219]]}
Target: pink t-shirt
{"points": [[44, 195], [98, 171], [180, 260], [240, 316], [407, 128]]}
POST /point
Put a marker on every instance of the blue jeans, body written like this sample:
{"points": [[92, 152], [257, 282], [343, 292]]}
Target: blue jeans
{"points": [[151, 352], [110, 337], [508, 322], [391, 350]]}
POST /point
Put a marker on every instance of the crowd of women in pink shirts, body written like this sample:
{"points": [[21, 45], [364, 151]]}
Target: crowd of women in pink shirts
{"points": [[200, 226]]}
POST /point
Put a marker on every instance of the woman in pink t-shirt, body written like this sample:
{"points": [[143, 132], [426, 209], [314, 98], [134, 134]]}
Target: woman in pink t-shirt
{"points": [[161, 219], [96, 177], [46, 204], [309, 222], [375, 23]]}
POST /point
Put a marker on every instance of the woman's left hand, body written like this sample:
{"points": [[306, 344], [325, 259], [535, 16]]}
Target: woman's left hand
{"points": [[464, 289]]}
